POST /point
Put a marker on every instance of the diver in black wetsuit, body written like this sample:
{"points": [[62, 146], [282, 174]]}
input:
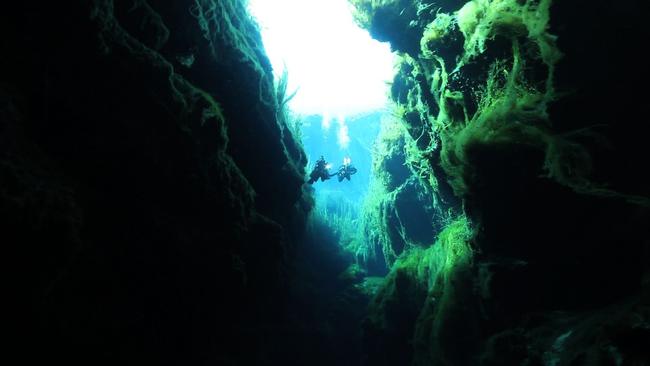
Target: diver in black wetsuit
{"points": [[321, 171]]}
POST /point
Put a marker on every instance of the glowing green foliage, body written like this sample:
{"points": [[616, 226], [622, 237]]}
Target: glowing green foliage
{"points": [[379, 203], [374, 224], [511, 109], [482, 20], [427, 276], [436, 32], [387, 145], [435, 265], [468, 17], [451, 250]]}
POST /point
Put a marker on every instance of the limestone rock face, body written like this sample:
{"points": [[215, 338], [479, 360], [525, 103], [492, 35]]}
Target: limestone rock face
{"points": [[149, 183]]}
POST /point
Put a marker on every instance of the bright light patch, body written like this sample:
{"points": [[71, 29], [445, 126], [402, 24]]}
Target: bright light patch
{"points": [[326, 121], [335, 66], [342, 135]]}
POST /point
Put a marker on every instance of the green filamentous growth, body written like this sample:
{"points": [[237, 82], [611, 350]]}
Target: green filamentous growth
{"points": [[511, 107], [425, 281]]}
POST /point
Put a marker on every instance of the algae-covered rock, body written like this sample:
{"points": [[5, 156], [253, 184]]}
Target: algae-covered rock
{"points": [[507, 124], [415, 317]]}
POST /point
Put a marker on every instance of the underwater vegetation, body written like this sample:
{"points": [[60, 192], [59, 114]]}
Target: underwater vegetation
{"points": [[418, 298], [154, 206], [494, 129]]}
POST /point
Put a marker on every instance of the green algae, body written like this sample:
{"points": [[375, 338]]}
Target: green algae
{"points": [[436, 32], [483, 20], [445, 106], [480, 90], [383, 222], [435, 265], [424, 283]]}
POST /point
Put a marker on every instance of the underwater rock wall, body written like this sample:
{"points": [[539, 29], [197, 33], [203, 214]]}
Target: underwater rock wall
{"points": [[402, 210], [522, 111], [149, 184]]}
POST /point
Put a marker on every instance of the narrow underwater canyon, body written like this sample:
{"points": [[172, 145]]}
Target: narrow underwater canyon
{"points": [[153, 196]]}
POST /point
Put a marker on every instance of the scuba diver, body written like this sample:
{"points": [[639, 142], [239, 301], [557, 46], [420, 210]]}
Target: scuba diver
{"points": [[346, 170], [321, 171]]}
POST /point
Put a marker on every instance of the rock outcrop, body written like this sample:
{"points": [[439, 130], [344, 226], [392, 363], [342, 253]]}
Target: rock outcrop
{"points": [[521, 117]]}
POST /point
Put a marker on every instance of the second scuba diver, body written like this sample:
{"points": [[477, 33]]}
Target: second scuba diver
{"points": [[346, 170]]}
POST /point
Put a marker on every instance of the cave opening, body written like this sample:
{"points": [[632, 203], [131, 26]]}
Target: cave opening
{"points": [[337, 80]]}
